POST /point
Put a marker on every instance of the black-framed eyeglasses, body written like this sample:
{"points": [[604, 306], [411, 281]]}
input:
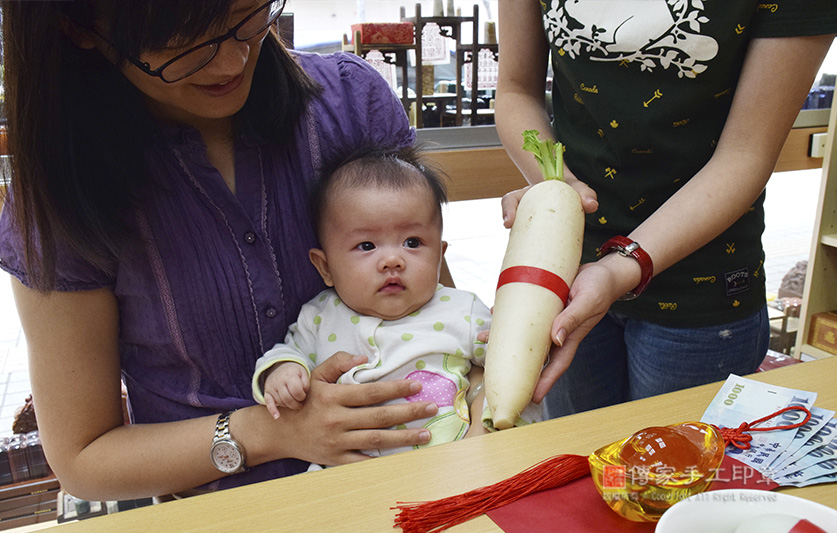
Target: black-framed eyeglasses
{"points": [[197, 57]]}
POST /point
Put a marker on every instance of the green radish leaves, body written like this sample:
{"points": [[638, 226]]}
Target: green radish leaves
{"points": [[548, 153]]}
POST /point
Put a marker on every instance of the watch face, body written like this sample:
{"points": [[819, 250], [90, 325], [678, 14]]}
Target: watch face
{"points": [[226, 456]]}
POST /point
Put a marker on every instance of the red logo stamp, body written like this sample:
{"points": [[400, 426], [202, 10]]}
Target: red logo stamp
{"points": [[613, 477]]}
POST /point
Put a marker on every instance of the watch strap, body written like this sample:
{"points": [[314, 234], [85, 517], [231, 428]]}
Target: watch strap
{"points": [[222, 427], [629, 248]]}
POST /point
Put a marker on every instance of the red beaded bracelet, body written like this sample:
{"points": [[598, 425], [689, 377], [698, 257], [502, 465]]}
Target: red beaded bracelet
{"points": [[629, 248]]}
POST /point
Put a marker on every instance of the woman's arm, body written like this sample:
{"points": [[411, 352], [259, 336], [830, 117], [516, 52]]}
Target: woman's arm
{"points": [[521, 96], [75, 375], [776, 77], [521, 85]]}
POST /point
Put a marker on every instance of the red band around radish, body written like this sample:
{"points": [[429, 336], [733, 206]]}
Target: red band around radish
{"points": [[535, 276]]}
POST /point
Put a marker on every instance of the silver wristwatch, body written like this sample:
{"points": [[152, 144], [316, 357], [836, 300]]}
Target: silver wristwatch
{"points": [[227, 455]]}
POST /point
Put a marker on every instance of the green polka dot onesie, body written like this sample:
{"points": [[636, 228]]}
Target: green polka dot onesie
{"points": [[435, 345]]}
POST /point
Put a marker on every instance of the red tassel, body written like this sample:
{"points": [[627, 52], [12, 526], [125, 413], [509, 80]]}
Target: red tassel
{"points": [[421, 517]]}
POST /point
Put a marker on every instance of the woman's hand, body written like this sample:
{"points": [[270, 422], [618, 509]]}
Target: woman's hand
{"points": [[595, 288], [339, 420], [510, 201]]}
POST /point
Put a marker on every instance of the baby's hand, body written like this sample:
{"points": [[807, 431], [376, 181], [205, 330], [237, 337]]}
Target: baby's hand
{"points": [[285, 386]]}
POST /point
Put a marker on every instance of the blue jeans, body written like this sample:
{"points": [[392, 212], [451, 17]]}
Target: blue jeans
{"points": [[624, 359]]}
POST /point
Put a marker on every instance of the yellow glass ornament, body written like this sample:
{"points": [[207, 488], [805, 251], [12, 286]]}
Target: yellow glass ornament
{"points": [[643, 475]]}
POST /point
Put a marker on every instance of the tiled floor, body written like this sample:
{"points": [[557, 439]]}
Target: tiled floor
{"points": [[477, 243]]}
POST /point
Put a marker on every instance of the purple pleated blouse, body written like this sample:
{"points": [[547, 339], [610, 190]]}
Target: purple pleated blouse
{"points": [[216, 278]]}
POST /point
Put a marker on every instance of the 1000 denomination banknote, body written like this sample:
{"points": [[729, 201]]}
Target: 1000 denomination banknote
{"points": [[819, 462], [819, 431], [824, 472], [743, 400]]}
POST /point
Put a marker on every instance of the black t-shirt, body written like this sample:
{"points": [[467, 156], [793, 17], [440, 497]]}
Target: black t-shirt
{"points": [[641, 92]]}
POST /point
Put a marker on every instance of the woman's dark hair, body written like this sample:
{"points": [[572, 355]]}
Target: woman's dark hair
{"points": [[376, 166], [77, 129]]}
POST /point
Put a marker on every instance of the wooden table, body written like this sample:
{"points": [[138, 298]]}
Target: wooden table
{"points": [[358, 497]]}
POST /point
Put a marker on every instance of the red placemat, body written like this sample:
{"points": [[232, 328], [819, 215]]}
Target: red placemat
{"points": [[578, 507]]}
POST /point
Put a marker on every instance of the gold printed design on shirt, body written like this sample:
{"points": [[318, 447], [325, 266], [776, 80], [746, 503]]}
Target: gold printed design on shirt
{"points": [[602, 221], [657, 94], [647, 151], [680, 123], [730, 247], [705, 279], [614, 124], [594, 89], [722, 93], [578, 99], [641, 201], [667, 306], [610, 172], [769, 7], [736, 303], [740, 29], [758, 268], [601, 133]]}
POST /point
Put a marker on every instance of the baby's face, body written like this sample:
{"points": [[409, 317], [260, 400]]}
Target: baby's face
{"points": [[382, 249]]}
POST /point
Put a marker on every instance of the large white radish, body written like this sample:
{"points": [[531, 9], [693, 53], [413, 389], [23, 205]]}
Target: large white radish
{"points": [[540, 264]]}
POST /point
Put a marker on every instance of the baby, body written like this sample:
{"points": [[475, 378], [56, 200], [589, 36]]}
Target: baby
{"points": [[378, 216]]}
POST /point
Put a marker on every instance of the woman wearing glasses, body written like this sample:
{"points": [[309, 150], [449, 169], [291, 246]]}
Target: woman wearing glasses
{"points": [[157, 231]]}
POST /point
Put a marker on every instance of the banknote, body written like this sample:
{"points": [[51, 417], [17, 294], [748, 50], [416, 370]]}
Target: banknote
{"points": [[818, 473], [829, 478], [809, 437], [744, 400], [818, 462]]}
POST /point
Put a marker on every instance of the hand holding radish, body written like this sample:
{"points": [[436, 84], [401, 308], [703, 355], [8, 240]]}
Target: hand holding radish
{"points": [[510, 201], [540, 264], [596, 286]]}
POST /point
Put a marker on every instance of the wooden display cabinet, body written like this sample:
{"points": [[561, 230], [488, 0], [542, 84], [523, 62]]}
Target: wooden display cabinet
{"points": [[28, 502], [451, 27], [820, 294], [397, 54]]}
